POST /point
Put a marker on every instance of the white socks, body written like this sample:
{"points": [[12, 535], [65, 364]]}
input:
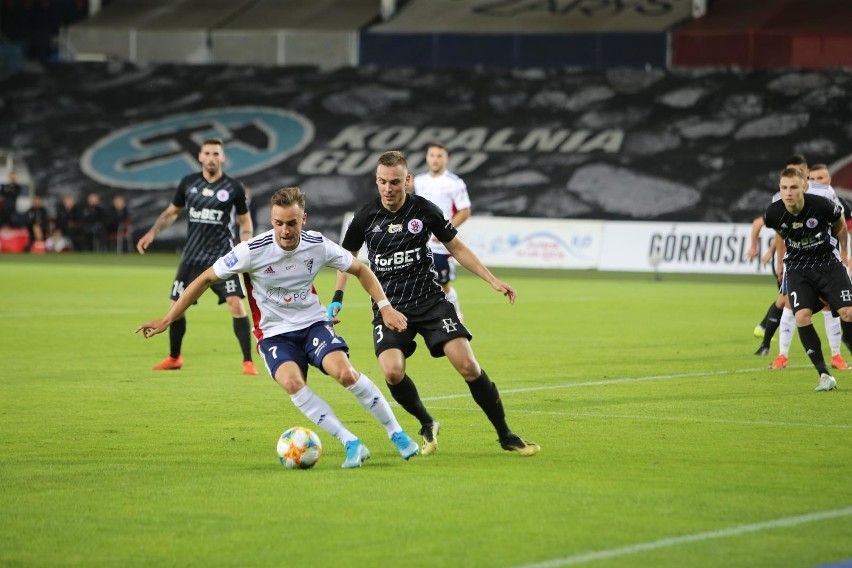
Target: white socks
{"points": [[453, 297], [786, 330], [320, 413], [832, 331], [374, 402]]}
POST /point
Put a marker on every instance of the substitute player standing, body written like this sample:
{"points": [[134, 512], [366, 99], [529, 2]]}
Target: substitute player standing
{"points": [[810, 226], [446, 190], [210, 196]]}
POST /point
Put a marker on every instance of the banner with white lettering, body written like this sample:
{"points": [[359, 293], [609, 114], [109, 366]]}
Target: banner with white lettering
{"points": [[691, 146]]}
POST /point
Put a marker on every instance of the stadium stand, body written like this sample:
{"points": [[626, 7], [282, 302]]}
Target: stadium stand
{"points": [[764, 34]]}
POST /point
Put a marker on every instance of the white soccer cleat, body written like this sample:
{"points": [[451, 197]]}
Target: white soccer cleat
{"points": [[826, 383]]}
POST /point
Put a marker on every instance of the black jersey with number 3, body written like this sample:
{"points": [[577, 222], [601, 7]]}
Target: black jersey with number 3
{"points": [[810, 242], [398, 249], [208, 235]]}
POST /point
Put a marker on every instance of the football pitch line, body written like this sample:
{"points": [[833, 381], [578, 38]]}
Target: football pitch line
{"points": [[690, 538], [622, 380], [631, 416], [656, 418]]}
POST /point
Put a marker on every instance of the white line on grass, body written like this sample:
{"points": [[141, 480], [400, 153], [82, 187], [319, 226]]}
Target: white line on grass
{"points": [[655, 418], [690, 538], [607, 382]]}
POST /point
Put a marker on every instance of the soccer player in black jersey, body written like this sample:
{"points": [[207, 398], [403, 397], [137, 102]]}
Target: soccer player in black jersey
{"points": [[809, 226], [209, 195], [396, 228]]}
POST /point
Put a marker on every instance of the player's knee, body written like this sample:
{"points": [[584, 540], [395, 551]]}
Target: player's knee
{"points": [[291, 384], [469, 369], [348, 376], [393, 375], [845, 313]]}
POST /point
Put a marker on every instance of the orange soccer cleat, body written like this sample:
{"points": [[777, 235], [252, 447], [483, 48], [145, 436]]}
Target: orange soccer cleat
{"points": [[838, 363], [249, 368], [779, 363], [169, 364]]}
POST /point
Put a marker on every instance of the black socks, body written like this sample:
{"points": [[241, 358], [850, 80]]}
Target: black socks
{"points": [[242, 330], [405, 393], [176, 332], [488, 398]]}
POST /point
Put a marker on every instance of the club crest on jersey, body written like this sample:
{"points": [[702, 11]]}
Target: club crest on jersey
{"points": [[309, 264], [811, 223], [392, 229], [223, 195], [207, 192], [415, 226], [797, 225], [231, 260]]}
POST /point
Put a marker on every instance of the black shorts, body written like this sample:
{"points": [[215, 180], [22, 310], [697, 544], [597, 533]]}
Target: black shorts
{"points": [[807, 288], [437, 325], [186, 273]]}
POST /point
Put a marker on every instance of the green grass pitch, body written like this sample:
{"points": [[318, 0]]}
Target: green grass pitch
{"points": [[665, 442]]}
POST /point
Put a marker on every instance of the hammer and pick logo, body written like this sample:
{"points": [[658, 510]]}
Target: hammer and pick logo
{"points": [[156, 154]]}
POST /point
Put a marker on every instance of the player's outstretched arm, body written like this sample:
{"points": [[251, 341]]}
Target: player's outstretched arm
{"points": [[756, 226], [339, 288], [246, 227], [469, 260], [392, 318], [189, 297], [164, 221]]}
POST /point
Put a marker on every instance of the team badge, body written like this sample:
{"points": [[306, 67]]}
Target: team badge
{"points": [[223, 195], [415, 226], [394, 228], [811, 223], [309, 264]]}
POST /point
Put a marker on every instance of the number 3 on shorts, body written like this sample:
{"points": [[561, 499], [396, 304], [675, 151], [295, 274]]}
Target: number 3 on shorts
{"points": [[379, 335]]}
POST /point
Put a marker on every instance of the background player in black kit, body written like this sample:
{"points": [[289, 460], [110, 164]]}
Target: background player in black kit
{"points": [[209, 195], [809, 225], [396, 228]]}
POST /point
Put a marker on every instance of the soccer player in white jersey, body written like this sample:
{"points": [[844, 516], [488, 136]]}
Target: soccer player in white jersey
{"points": [[786, 324], [280, 266], [446, 190]]}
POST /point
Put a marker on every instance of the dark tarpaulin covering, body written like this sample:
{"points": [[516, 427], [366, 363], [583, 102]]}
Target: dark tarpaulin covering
{"points": [[618, 144]]}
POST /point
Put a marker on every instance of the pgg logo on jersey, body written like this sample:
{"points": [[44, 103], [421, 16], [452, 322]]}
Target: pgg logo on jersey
{"points": [[156, 154]]}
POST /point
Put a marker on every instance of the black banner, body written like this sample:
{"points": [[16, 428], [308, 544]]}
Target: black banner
{"points": [[617, 144]]}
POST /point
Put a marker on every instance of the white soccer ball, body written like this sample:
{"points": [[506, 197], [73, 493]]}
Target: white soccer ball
{"points": [[299, 448]]}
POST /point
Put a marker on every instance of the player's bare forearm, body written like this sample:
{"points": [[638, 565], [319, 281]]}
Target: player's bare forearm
{"points": [[460, 217], [469, 260], [756, 226], [189, 296], [246, 226], [367, 278], [164, 221]]}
